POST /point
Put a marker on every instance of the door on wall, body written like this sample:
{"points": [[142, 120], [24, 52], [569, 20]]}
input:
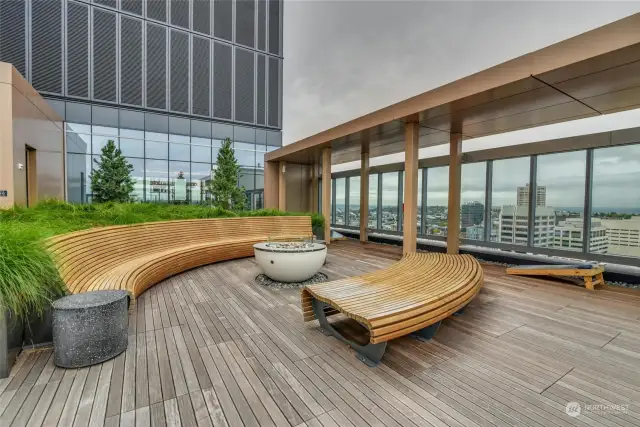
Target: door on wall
{"points": [[32, 176]]}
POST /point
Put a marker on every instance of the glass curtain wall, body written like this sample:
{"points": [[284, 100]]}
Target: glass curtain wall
{"points": [[373, 201], [353, 218], [510, 201], [472, 200], [340, 201], [437, 201], [167, 167], [390, 209]]}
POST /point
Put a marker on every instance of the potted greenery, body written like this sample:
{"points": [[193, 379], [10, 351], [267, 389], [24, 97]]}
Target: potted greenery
{"points": [[29, 282]]}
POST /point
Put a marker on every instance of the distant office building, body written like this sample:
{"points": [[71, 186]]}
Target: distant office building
{"points": [[541, 196], [513, 226], [471, 213], [623, 235], [568, 235], [475, 232]]}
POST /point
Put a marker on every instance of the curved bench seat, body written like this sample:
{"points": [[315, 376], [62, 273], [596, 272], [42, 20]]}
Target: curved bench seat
{"points": [[412, 295], [136, 257]]}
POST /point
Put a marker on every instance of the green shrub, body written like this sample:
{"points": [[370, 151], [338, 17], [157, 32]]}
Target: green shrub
{"points": [[28, 277]]}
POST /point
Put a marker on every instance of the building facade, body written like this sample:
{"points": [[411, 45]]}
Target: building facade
{"points": [[623, 235], [471, 213], [167, 80], [568, 235], [523, 195], [513, 226]]}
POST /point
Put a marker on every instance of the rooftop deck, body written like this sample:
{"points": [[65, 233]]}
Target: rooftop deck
{"points": [[211, 348]]}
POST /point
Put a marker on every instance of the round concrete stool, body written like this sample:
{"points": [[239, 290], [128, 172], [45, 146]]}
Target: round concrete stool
{"points": [[90, 327]]}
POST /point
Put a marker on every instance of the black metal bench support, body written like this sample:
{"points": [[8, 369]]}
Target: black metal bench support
{"points": [[425, 334], [369, 354]]}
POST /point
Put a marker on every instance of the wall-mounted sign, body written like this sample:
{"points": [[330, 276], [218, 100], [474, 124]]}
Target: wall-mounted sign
{"points": [[4, 193]]}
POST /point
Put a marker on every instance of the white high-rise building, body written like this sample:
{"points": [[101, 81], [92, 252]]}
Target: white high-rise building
{"points": [[541, 196], [623, 236], [568, 236], [513, 225]]}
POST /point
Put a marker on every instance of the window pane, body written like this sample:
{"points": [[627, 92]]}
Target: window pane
{"points": [[419, 209], [390, 201], [200, 177], [246, 178], [178, 177], [157, 188], [132, 143], [259, 179], [78, 143], [333, 217], [472, 193], [245, 153], [509, 209], [138, 176], [560, 200], [340, 201], [437, 200], [373, 201], [354, 201], [179, 151], [100, 136], [78, 182], [200, 150], [616, 200], [156, 150]]}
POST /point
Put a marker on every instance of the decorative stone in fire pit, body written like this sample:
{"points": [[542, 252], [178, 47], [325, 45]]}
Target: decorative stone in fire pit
{"points": [[290, 261]]}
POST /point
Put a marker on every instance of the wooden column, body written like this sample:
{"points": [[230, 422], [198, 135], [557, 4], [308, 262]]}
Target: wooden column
{"points": [[326, 193], [364, 191], [453, 223], [314, 187], [282, 187], [271, 185], [409, 227]]}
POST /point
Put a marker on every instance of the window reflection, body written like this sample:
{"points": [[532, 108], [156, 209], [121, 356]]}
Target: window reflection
{"points": [[245, 153], [215, 147], [132, 143], [138, 176], [509, 201], [179, 178], [472, 199], [354, 201], [200, 178], [157, 180], [78, 143], [616, 200], [436, 216], [200, 150], [373, 201], [179, 151], [390, 201], [340, 201], [78, 182], [101, 135]]}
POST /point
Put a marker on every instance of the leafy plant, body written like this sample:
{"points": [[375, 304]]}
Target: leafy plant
{"points": [[111, 181], [224, 184]]}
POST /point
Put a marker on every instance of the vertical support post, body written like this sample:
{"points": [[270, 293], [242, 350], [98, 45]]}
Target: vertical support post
{"points": [[588, 193], [314, 187], [282, 187], [531, 212], [379, 203], [487, 201], [326, 193], [410, 217], [271, 185], [453, 222], [364, 190]]}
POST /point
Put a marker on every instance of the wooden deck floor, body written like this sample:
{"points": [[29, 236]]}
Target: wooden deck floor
{"points": [[211, 348]]}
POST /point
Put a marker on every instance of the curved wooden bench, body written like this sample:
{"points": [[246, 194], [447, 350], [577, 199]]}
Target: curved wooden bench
{"points": [[136, 257], [411, 296]]}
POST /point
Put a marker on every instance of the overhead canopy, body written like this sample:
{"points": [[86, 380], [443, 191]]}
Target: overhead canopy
{"points": [[597, 72]]}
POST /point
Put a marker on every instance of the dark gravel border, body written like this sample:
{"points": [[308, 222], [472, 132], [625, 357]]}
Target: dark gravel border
{"points": [[264, 280]]}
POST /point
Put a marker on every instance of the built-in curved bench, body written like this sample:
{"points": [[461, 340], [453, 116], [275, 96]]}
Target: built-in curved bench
{"points": [[411, 296], [136, 257]]}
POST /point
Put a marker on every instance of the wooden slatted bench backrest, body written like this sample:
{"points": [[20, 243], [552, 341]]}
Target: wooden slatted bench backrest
{"points": [[98, 250]]}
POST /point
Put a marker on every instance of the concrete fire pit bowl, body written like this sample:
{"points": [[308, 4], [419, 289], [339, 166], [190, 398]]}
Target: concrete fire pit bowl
{"points": [[290, 261]]}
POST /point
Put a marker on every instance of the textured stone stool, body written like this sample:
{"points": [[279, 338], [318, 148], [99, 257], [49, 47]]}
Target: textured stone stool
{"points": [[90, 327]]}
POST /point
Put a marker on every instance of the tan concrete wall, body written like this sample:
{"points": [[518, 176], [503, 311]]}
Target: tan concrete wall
{"points": [[298, 183], [28, 121]]}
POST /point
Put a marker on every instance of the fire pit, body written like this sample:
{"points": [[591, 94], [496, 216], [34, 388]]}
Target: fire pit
{"points": [[290, 261]]}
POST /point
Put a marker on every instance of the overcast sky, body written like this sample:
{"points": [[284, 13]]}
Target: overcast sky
{"points": [[344, 59]]}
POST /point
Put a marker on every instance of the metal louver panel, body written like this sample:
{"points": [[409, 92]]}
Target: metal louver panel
{"points": [[179, 71], [245, 22], [222, 80], [133, 6], [202, 16], [12, 34], [157, 9], [77, 50], [274, 93], [274, 26], [223, 19], [46, 46], [130, 61], [180, 13], [261, 89], [156, 66], [105, 73], [262, 24], [109, 3], [201, 85], [244, 86]]}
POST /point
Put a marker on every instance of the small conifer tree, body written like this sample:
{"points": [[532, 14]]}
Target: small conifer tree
{"points": [[223, 187], [111, 181]]}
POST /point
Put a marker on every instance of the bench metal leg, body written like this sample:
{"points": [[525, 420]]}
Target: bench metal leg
{"points": [[369, 354], [460, 312], [425, 334]]}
